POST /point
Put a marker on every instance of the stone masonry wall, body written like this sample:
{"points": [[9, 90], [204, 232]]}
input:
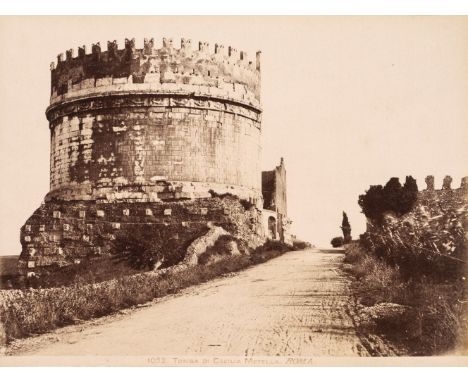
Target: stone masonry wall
{"points": [[148, 137], [126, 118], [102, 149], [274, 196], [63, 233], [219, 72]]}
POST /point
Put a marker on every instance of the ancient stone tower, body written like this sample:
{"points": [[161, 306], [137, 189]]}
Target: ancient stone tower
{"points": [[146, 135]]}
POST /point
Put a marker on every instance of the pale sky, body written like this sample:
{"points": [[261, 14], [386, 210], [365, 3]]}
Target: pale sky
{"points": [[348, 102]]}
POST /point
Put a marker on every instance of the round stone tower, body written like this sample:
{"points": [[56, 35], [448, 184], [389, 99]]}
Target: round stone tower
{"points": [[124, 120], [159, 138]]}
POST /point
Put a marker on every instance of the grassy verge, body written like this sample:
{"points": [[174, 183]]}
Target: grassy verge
{"points": [[34, 311], [421, 315], [94, 271]]}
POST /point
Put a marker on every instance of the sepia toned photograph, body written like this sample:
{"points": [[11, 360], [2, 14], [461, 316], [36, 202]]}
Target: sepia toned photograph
{"points": [[234, 190]]}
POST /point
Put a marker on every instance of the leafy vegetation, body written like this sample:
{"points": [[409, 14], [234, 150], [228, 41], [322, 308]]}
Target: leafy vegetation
{"points": [[434, 323], [413, 254], [143, 249], [390, 198], [33, 311], [346, 228], [428, 242], [337, 242]]}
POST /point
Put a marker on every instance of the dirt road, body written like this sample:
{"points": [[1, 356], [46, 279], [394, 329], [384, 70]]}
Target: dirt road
{"points": [[294, 305]]}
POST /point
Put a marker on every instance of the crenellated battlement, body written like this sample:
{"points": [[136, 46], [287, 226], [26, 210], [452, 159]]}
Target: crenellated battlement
{"points": [[183, 68], [446, 184]]}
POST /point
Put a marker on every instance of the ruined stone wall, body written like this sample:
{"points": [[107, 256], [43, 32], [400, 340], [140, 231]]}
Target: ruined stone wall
{"points": [[274, 199], [274, 189], [280, 190], [63, 233]]}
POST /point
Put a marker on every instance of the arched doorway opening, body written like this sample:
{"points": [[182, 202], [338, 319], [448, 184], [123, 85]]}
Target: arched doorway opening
{"points": [[272, 227]]}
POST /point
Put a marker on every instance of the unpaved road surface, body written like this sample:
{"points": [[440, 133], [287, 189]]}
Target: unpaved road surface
{"points": [[294, 305]]}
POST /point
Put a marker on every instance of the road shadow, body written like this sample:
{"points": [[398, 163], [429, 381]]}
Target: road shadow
{"points": [[332, 250]]}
